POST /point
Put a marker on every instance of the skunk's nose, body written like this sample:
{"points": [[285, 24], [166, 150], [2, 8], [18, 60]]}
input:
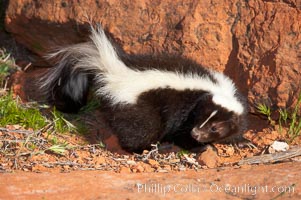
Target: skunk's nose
{"points": [[194, 133]]}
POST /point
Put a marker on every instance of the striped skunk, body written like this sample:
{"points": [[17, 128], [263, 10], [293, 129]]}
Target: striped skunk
{"points": [[146, 98]]}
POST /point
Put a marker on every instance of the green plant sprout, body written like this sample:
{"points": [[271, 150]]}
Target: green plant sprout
{"points": [[265, 110], [58, 148], [60, 123], [283, 117], [290, 120], [295, 124]]}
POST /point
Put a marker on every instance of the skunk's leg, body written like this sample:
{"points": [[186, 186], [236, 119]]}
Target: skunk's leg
{"points": [[136, 127]]}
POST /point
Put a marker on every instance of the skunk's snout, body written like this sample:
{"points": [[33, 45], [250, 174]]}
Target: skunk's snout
{"points": [[214, 131]]}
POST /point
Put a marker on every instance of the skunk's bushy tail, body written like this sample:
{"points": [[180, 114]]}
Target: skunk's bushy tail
{"points": [[67, 84]]}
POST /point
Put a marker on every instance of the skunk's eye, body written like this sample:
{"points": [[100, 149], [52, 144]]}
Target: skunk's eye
{"points": [[213, 129]]}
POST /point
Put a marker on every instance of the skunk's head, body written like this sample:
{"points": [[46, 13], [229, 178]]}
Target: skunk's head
{"points": [[215, 123]]}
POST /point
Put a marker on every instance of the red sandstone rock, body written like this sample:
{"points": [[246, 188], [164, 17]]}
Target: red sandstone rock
{"points": [[208, 158], [250, 182], [257, 43]]}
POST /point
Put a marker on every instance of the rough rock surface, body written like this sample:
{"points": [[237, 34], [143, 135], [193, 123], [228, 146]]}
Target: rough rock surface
{"points": [[279, 181], [257, 43]]}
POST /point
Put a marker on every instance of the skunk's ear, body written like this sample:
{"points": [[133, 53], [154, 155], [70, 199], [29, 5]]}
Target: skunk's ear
{"points": [[197, 107], [202, 100], [183, 109]]}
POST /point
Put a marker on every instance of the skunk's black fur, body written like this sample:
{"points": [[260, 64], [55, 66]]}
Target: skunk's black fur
{"points": [[146, 99]]}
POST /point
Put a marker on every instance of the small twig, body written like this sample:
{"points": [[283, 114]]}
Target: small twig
{"points": [[6, 58], [5, 84], [45, 128], [169, 156], [15, 166], [15, 141], [154, 150], [271, 158], [26, 132], [191, 161], [119, 159], [63, 163], [18, 153]]}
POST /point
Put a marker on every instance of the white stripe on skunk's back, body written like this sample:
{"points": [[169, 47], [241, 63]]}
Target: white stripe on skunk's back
{"points": [[126, 88], [124, 85]]}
